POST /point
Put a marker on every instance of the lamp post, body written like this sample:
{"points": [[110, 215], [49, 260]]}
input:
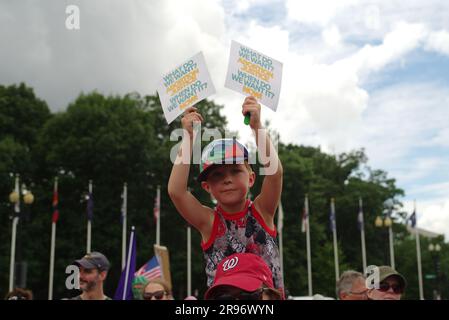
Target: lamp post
{"points": [[435, 253], [386, 222], [14, 198]]}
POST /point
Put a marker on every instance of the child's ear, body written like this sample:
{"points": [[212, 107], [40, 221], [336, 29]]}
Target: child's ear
{"points": [[205, 186], [252, 178]]}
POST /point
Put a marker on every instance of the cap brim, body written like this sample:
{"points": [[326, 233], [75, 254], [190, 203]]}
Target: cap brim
{"points": [[397, 275], [85, 264], [203, 175], [238, 282]]}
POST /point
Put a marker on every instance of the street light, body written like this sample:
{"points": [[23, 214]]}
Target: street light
{"points": [[435, 253], [14, 198]]}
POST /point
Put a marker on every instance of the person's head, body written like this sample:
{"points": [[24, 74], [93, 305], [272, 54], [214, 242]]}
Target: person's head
{"points": [[352, 286], [225, 172], [243, 276], [138, 284], [19, 294], [93, 269], [157, 289], [390, 287]]}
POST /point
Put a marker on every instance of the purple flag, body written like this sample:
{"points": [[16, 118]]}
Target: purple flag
{"points": [[128, 273], [90, 207]]}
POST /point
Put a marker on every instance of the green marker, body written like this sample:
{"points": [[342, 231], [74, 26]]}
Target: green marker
{"points": [[247, 118]]}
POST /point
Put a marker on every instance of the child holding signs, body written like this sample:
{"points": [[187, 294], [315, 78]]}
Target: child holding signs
{"points": [[236, 224]]}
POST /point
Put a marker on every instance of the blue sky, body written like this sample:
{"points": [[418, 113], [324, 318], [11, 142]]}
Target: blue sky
{"points": [[371, 74]]}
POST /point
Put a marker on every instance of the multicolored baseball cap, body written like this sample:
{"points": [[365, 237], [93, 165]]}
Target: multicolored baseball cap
{"points": [[221, 151]]}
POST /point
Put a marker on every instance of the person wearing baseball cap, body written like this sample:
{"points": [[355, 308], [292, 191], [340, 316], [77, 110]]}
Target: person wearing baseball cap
{"points": [[93, 270], [243, 276], [237, 222], [390, 287]]}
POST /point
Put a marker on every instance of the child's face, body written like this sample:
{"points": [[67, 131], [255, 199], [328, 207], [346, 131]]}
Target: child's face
{"points": [[229, 183]]}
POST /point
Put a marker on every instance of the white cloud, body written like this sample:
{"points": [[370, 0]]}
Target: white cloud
{"points": [[439, 41], [401, 40], [331, 36], [397, 121], [319, 12], [120, 47], [435, 217]]}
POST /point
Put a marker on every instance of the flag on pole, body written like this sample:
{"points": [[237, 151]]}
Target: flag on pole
{"points": [[157, 206], [90, 206], [332, 224], [124, 289], [150, 270], [413, 219], [305, 220], [123, 208], [360, 221], [55, 202]]}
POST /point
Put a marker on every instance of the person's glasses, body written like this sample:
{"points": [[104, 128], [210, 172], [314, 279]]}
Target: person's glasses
{"points": [[384, 287], [358, 293], [157, 294], [241, 295]]}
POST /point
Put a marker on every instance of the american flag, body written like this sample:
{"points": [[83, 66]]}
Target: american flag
{"points": [[150, 270]]}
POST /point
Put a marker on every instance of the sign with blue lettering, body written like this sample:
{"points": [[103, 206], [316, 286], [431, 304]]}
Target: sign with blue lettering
{"points": [[184, 86], [253, 73]]}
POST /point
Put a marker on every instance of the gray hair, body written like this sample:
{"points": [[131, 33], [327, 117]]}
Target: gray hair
{"points": [[344, 284]]}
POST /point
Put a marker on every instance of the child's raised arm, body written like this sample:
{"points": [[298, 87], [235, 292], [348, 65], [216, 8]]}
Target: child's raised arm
{"points": [[268, 199], [189, 207]]}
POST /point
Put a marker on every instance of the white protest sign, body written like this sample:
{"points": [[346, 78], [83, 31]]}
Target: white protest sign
{"points": [[253, 73], [184, 86]]}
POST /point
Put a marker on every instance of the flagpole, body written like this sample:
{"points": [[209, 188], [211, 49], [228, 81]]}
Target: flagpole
{"points": [[15, 221], [158, 222], [390, 234], [89, 224], [280, 227], [309, 256], [124, 217], [52, 247], [418, 255], [189, 262], [362, 234], [334, 232], [128, 263]]}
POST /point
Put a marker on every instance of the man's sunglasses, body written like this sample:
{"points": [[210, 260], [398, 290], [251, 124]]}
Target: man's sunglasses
{"points": [[157, 294], [384, 287]]}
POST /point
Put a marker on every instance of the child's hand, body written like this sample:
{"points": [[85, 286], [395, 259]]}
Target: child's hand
{"points": [[191, 115], [253, 107]]}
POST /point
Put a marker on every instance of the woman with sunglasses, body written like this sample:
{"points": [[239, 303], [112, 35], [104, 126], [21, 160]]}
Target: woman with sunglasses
{"points": [[391, 285], [157, 289]]}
